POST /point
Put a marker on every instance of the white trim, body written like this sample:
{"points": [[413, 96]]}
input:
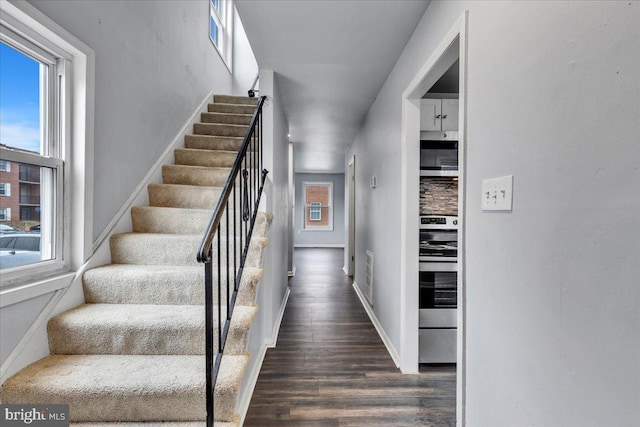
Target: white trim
{"points": [[376, 323], [344, 269], [318, 245], [9, 296], [139, 195], [278, 322], [431, 70], [252, 377], [292, 273], [226, 35]]}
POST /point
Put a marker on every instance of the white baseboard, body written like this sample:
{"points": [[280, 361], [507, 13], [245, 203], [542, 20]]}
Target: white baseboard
{"points": [[318, 245], [252, 377], [376, 323], [344, 268], [278, 322], [122, 220], [292, 273]]}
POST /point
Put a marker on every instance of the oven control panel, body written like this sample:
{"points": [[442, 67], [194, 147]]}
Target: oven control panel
{"points": [[435, 221]]}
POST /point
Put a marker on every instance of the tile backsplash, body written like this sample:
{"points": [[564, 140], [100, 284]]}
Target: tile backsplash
{"points": [[438, 195]]}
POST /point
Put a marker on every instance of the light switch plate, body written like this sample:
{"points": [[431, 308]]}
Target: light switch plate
{"points": [[497, 194]]}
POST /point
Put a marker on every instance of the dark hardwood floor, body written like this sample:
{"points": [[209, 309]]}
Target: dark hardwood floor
{"points": [[330, 367]]}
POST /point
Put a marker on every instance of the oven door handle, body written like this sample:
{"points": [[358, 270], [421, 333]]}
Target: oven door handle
{"points": [[438, 266]]}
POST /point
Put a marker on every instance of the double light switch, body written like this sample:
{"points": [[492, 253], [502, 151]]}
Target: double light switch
{"points": [[497, 194]]}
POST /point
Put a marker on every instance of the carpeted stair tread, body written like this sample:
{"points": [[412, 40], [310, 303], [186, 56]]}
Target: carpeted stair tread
{"points": [[219, 107], [209, 142], [127, 388], [230, 99], [141, 329], [160, 284], [153, 219], [172, 249], [195, 175], [184, 196], [219, 129], [227, 118], [208, 158]]}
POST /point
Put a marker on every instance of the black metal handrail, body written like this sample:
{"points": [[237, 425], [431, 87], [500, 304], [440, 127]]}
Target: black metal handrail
{"points": [[230, 239]]}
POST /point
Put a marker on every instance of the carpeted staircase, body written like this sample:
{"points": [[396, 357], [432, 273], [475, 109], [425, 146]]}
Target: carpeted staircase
{"points": [[133, 354]]}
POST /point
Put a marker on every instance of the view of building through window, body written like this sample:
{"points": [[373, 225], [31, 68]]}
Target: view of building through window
{"points": [[318, 205], [23, 106]]}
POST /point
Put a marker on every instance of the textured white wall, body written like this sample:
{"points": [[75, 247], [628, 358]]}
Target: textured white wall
{"points": [[335, 237], [154, 65], [552, 287]]}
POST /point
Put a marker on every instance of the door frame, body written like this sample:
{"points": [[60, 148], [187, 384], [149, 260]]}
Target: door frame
{"points": [[350, 255], [451, 47]]}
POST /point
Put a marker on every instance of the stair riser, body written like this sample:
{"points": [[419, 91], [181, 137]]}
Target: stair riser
{"points": [[226, 118], [143, 330], [77, 340], [185, 175], [228, 99], [170, 221], [108, 287], [154, 249], [207, 142], [219, 130], [205, 158], [187, 221], [183, 196], [231, 108]]}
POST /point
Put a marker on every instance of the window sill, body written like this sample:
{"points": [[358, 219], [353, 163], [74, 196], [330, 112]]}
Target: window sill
{"points": [[15, 294]]}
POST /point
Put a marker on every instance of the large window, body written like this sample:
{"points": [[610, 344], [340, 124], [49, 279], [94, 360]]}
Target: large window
{"points": [[318, 206], [46, 97], [31, 104], [221, 28]]}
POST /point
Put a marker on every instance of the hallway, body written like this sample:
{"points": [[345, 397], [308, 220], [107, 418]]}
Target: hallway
{"points": [[330, 367]]}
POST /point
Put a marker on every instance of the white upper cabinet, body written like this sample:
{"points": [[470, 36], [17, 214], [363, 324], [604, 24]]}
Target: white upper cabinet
{"points": [[438, 114]]}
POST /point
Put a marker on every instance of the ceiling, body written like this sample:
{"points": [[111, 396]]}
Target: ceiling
{"points": [[332, 58]]}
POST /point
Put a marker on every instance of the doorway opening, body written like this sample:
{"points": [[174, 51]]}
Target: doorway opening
{"points": [[431, 89]]}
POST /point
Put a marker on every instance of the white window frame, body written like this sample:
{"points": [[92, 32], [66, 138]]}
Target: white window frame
{"points": [[7, 214], [315, 208], [224, 19], [73, 152], [307, 205], [5, 189], [5, 166]]}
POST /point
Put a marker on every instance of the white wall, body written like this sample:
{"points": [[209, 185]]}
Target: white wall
{"points": [[274, 284], [245, 67], [154, 64], [552, 287], [16, 319], [334, 237]]}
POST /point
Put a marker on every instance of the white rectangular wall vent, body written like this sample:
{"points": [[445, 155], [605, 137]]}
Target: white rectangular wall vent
{"points": [[369, 284]]}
